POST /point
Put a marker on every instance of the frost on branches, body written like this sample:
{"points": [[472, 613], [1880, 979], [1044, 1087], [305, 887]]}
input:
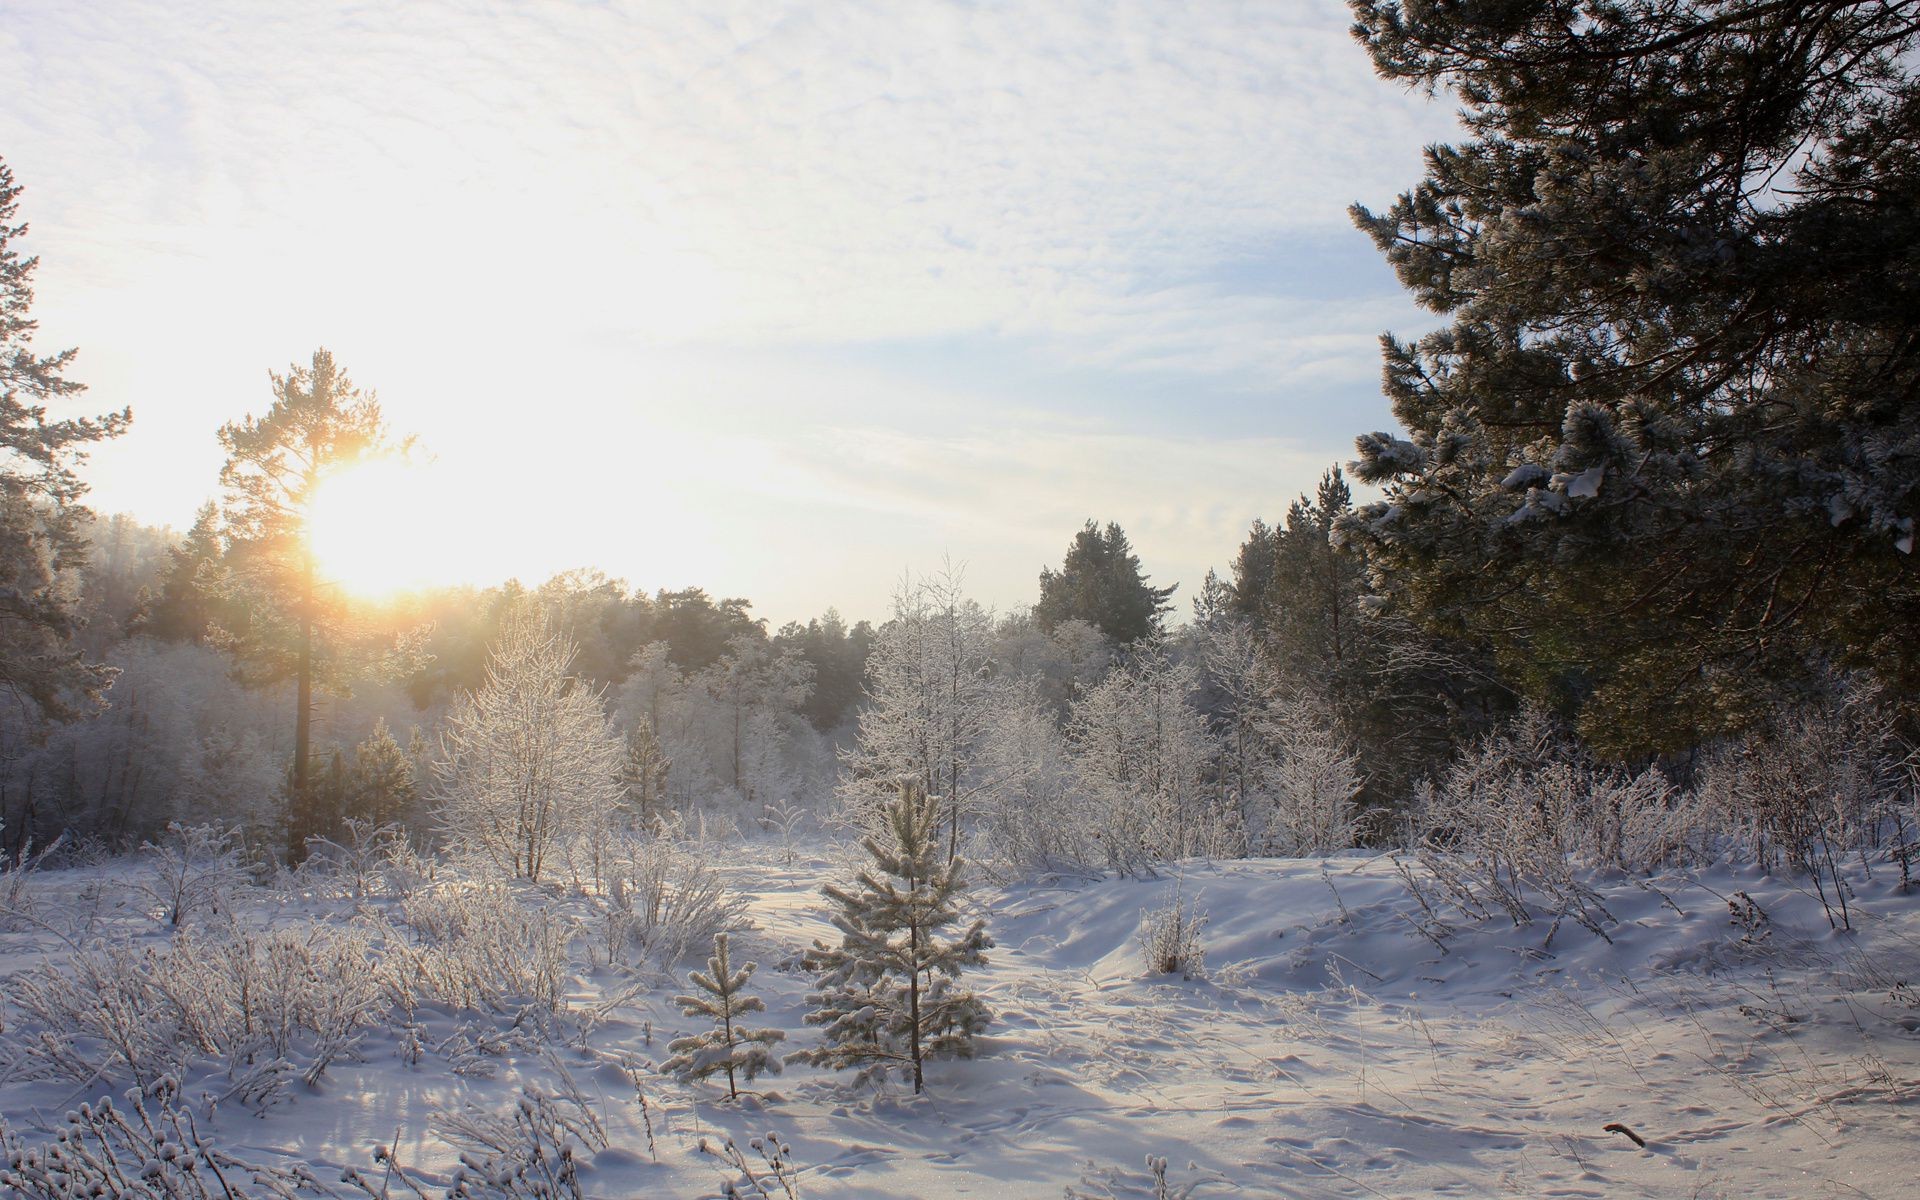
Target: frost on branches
{"points": [[529, 760], [889, 992], [741, 1052]]}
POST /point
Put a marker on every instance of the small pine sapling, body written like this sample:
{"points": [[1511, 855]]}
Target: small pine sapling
{"points": [[741, 1052], [888, 994]]}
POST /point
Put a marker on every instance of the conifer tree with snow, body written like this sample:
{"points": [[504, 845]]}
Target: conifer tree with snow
{"points": [[1665, 453], [889, 993], [729, 1046]]}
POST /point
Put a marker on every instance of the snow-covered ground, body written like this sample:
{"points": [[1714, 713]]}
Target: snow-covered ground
{"points": [[1331, 1048]]}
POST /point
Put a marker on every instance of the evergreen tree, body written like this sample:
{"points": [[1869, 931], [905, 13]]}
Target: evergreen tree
{"points": [[380, 786], [741, 1052], [185, 608], [1401, 695], [889, 993], [643, 775], [42, 522], [1101, 583], [289, 623], [1666, 453]]}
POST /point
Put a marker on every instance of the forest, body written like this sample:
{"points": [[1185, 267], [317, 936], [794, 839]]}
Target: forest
{"points": [[1531, 807]]}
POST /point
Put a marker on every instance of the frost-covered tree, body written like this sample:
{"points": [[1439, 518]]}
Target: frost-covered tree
{"points": [[1665, 452], [756, 692], [1036, 817], [643, 775], [530, 758], [1143, 753], [889, 992], [1309, 779], [729, 1046], [42, 522], [931, 696]]}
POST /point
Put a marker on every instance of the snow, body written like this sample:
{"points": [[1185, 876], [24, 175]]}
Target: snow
{"points": [[1331, 1049]]}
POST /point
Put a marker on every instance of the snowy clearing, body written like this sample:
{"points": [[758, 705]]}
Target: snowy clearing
{"points": [[1329, 1048]]}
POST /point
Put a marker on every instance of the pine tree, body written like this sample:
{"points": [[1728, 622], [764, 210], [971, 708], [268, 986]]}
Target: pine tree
{"points": [[889, 992], [739, 1051], [1666, 451], [184, 609], [289, 623], [643, 775], [380, 785], [1101, 583], [43, 525]]}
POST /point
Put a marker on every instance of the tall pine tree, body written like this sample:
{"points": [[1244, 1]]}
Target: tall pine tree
{"points": [[1101, 583], [43, 540], [287, 623]]}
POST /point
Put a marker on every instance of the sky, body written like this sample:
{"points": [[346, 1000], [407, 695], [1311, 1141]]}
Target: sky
{"points": [[786, 301]]}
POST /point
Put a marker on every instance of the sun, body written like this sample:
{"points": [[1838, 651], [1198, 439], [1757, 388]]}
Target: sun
{"points": [[368, 525]]}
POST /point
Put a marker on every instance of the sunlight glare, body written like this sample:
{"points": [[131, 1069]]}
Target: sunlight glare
{"points": [[369, 527]]}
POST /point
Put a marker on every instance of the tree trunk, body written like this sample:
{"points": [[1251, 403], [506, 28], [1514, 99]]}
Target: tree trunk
{"points": [[302, 825]]}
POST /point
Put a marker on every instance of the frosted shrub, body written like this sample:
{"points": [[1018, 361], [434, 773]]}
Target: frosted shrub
{"points": [[664, 900], [16, 874], [361, 863], [1810, 786], [1170, 939], [195, 868], [775, 1177], [294, 999], [1513, 821], [528, 1154], [150, 1150], [480, 948], [1308, 781]]}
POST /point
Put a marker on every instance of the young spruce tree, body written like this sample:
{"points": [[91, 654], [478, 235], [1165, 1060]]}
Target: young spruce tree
{"points": [[741, 1052], [889, 991]]}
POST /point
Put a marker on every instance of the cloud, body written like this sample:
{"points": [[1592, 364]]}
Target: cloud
{"points": [[606, 220]]}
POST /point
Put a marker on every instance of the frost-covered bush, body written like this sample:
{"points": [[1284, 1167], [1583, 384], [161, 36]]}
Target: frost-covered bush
{"points": [[366, 861], [663, 899], [1170, 939], [150, 1150], [1306, 781], [1514, 822], [480, 948], [1813, 784], [16, 878], [528, 1154], [258, 1004], [194, 868]]}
